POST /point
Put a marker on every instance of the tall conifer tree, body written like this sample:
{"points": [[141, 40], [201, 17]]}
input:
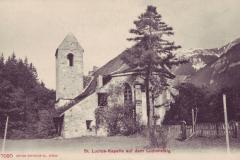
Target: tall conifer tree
{"points": [[153, 55]]}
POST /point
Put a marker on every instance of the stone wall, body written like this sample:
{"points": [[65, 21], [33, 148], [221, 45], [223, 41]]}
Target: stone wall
{"points": [[115, 88], [75, 118], [69, 79], [115, 91]]}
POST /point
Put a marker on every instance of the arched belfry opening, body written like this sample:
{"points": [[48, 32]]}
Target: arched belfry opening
{"points": [[70, 57]]}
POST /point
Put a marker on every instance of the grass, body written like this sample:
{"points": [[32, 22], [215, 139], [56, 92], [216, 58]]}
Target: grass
{"points": [[196, 144], [76, 144], [204, 144]]}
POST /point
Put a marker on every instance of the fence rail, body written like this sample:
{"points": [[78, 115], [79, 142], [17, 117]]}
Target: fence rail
{"points": [[205, 130]]}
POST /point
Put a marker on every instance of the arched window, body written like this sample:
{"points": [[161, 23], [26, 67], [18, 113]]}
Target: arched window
{"points": [[127, 94], [70, 59]]}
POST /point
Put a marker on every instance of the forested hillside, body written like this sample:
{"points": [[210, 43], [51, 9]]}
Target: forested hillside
{"points": [[26, 100], [217, 73]]}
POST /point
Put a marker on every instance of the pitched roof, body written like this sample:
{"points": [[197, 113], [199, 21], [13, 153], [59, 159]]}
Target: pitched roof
{"points": [[70, 42]]}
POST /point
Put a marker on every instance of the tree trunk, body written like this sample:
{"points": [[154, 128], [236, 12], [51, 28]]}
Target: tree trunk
{"points": [[151, 130], [148, 100]]}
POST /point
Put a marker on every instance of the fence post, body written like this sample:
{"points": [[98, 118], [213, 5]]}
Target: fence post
{"points": [[226, 122], [235, 129], [5, 135], [217, 129], [193, 125]]}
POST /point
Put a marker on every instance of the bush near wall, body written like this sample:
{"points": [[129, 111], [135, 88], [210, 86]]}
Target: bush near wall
{"points": [[119, 120]]}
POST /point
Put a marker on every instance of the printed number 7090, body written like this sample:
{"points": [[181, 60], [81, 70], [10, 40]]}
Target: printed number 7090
{"points": [[6, 155]]}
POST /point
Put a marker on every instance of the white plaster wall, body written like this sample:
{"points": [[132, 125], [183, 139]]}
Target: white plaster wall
{"points": [[161, 111], [160, 100], [144, 109]]}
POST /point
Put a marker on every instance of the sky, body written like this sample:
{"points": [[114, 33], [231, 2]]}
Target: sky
{"points": [[35, 28]]}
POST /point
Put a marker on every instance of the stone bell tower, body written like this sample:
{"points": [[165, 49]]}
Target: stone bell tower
{"points": [[69, 68]]}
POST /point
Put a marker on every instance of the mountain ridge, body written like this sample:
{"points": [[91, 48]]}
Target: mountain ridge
{"points": [[223, 72]]}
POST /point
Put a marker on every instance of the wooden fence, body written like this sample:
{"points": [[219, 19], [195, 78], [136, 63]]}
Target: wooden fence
{"points": [[204, 130]]}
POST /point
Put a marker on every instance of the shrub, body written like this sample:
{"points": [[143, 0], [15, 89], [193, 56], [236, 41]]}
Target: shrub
{"points": [[162, 136], [118, 120]]}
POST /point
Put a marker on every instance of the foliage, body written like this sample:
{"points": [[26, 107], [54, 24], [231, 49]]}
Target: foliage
{"points": [[152, 57], [189, 97], [210, 105], [23, 98], [118, 120], [153, 53]]}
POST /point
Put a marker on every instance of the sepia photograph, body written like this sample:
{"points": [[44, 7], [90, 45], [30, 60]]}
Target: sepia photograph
{"points": [[119, 79]]}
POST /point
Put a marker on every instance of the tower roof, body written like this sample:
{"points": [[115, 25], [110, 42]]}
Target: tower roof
{"points": [[70, 42]]}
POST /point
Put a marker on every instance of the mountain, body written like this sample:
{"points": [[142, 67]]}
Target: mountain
{"points": [[222, 72], [199, 58]]}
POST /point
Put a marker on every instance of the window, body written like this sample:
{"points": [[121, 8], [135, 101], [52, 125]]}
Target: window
{"points": [[128, 101], [102, 99], [88, 125], [70, 59], [127, 94]]}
